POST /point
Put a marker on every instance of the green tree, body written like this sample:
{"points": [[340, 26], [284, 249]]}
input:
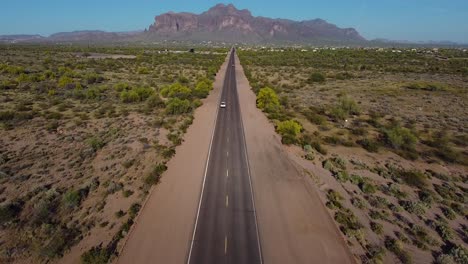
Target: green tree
{"points": [[202, 89], [176, 106], [316, 77], [267, 100], [289, 130], [176, 90]]}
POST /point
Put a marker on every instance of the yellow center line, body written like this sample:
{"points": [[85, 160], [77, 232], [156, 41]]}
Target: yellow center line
{"points": [[227, 173], [227, 200]]}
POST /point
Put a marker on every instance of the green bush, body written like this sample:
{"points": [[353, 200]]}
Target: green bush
{"points": [[155, 101], [400, 138], [121, 86], [377, 228], [96, 143], [9, 211], [369, 144], [396, 246], [143, 70], [96, 255], [367, 187], [71, 199], [176, 106], [414, 178], [316, 77], [267, 100], [65, 82], [289, 130], [176, 90], [155, 175], [202, 89]]}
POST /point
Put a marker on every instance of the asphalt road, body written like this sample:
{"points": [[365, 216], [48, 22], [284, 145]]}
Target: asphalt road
{"points": [[226, 229]]}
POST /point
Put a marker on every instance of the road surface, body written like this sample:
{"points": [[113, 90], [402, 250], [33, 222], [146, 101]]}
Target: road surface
{"points": [[225, 229]]}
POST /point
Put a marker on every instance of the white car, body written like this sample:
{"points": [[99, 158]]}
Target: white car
{"points": [[223, 105]]}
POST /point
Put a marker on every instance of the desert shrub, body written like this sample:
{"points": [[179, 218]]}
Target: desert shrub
{"points": [[449, 192], [119, 213], [92, 93], [376, 228], [341, 176], [348, 221], [58, 241], [96, 255], [143, 70], [413, 178], [10, 211], [315, 118], [93, 77], [183, 79], [444, 230], [289, 130], [346, 106], [400, 138], [267, 100], [369, 144], [358, 203], [202, 89], [127, 193], [396, 246], [176, 106], [96, 143], [367, 186], [427, 86], [155, 101], [316, 77], [121, 86], [415, 207], [356, 179], [7, 115], [421, 236], [375, 254], [334, 199], [71, 199], [155, 174], [129, 96], [143, 92], [349, 105], [448, 212], [65, 82], [176, 90], [134, 209], [344, 76]]}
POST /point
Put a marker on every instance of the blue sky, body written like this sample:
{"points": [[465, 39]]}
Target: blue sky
{"points": [[415, 20]]}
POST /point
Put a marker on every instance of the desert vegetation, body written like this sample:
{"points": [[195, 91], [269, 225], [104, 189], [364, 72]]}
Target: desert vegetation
{"points": [[84, 138], [387, 129]]}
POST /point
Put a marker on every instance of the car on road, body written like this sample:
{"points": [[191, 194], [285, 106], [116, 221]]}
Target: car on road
{"points": [[223, 105]]}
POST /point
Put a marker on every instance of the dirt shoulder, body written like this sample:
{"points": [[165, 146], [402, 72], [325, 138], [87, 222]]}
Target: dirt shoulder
{"points": [[163, 230], [294, 225]]}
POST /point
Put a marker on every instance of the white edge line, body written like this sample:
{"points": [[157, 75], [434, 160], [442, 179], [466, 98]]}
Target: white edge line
{"points": [[206, 169], [248, 171]]}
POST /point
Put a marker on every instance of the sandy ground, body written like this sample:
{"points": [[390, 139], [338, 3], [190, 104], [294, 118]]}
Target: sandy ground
{"points": [[294, 225], [163, 230]]}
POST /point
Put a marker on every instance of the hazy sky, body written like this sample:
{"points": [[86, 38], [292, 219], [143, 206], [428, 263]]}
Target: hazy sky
{"points": [[415, 20]]}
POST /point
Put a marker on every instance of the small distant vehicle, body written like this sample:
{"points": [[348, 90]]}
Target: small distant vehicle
{"points": [[233, 65], [223, 105]]}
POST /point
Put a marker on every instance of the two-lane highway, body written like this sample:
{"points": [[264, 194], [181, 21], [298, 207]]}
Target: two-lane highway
{"points": [[225, 228]]}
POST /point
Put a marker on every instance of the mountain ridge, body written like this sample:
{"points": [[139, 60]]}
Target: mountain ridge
{"points": [[235, 25]]}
